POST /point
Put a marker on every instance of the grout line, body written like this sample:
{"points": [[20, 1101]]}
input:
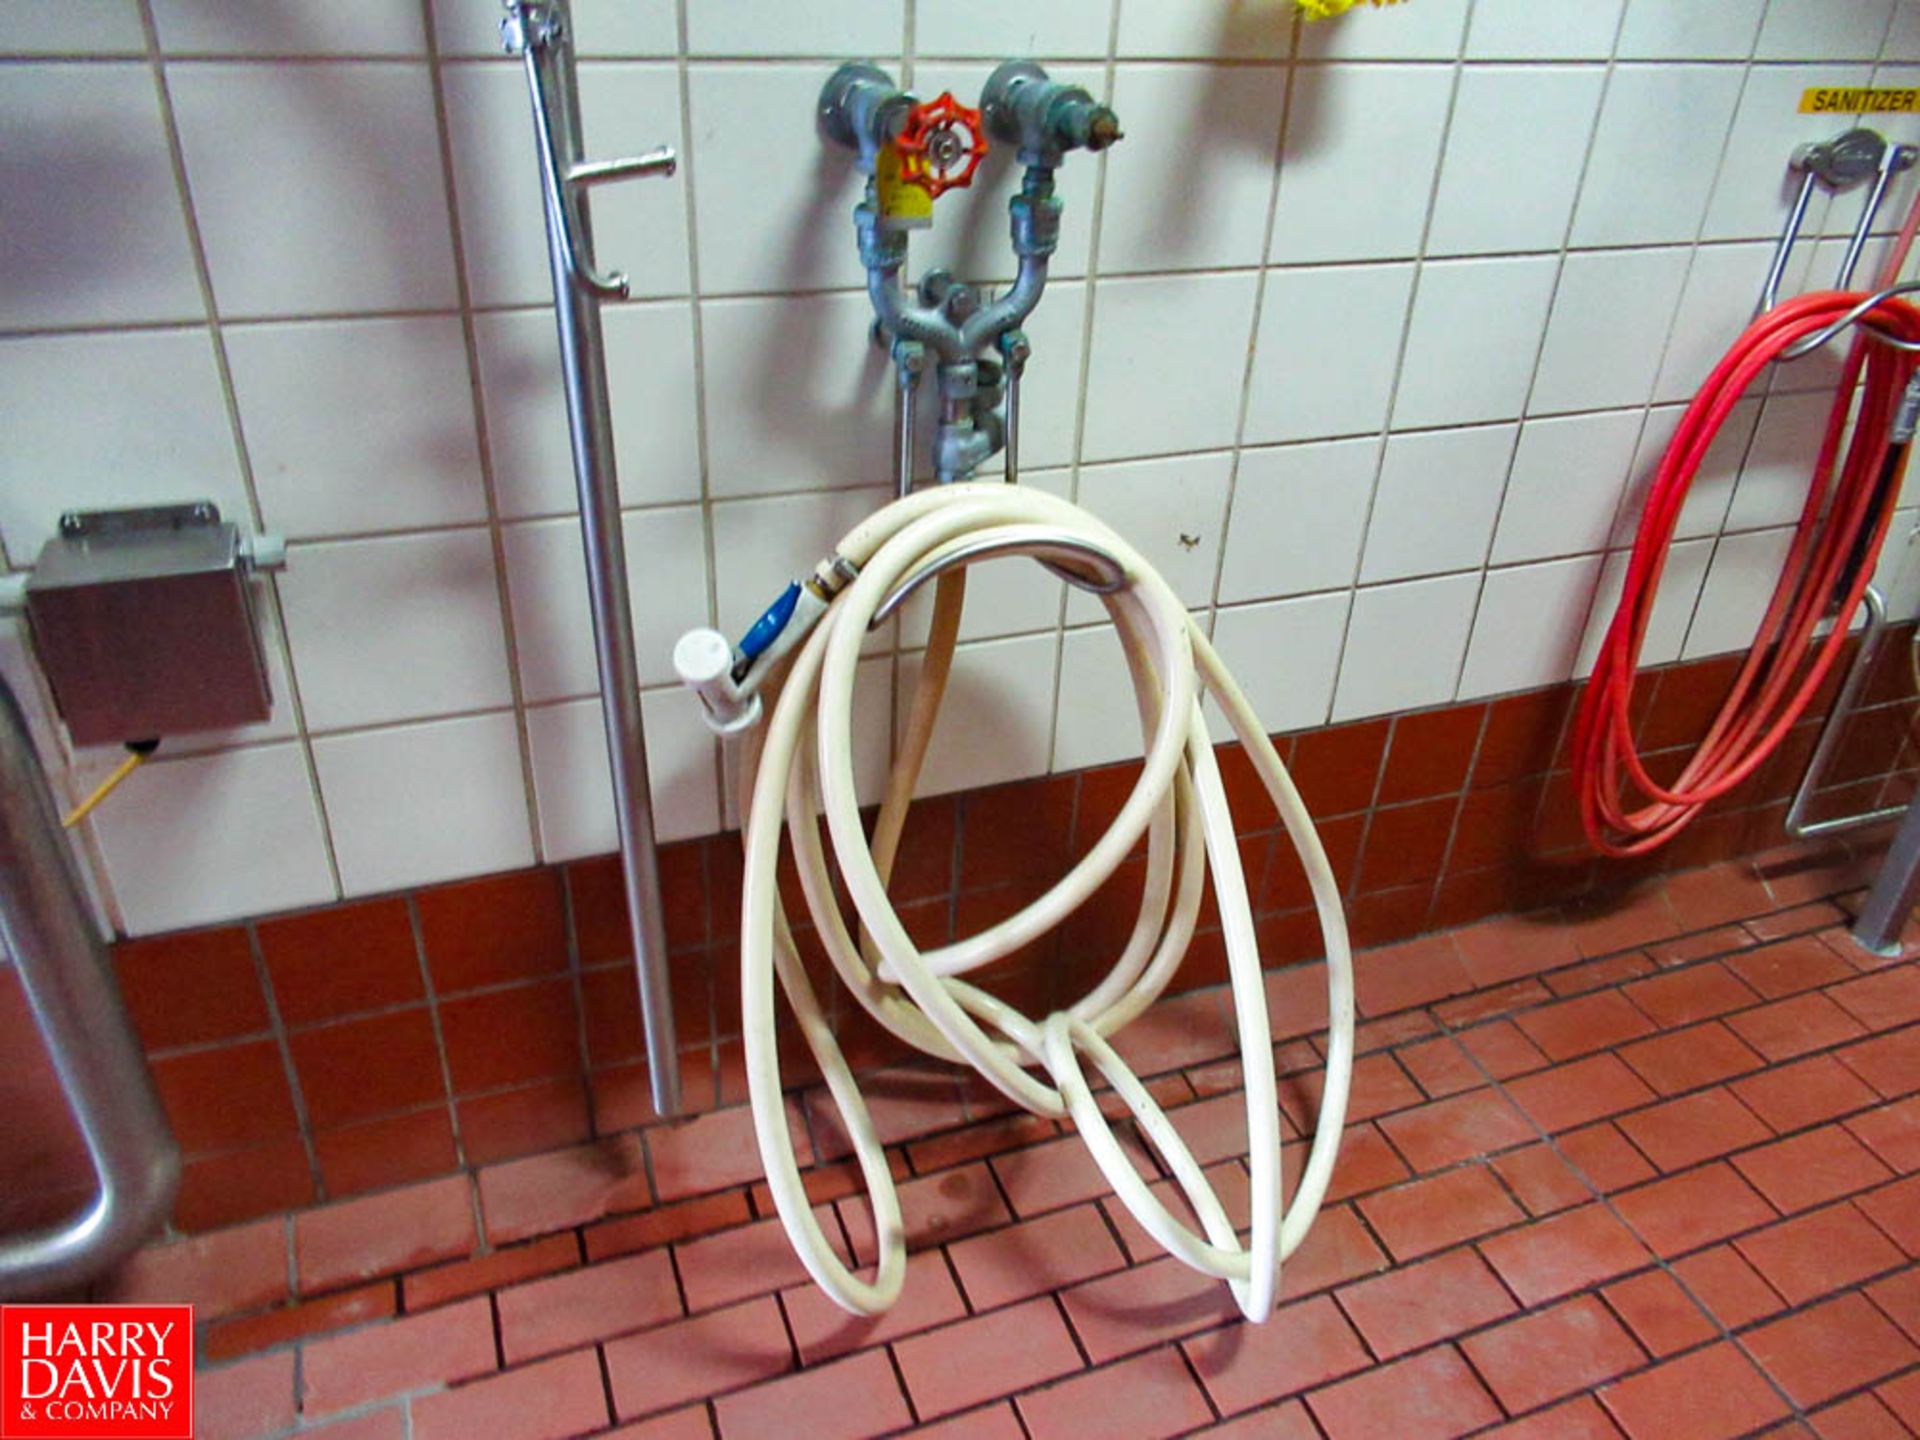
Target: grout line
{"points": [[1277, 167], [900, 1379], [448, 1093], [489, 484], [1460, 810], [1089, 303], [576, 988], [702, 442], [606, 1384], [1384, 432], [277, 1030], [270, 587]]}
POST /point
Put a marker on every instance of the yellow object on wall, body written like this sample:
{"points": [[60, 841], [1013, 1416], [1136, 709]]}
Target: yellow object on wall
{"points": [[1327, 9]]}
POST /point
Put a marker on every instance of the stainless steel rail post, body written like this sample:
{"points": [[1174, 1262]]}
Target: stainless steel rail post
{"points": [[538, 31], [1895, 889], [63, 968]]}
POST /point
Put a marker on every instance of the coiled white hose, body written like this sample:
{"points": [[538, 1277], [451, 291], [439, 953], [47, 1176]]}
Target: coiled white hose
{"points": [[805, 769]]}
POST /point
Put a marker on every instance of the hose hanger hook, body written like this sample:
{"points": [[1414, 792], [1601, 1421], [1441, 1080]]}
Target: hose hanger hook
{"points": [[1841, 163]]}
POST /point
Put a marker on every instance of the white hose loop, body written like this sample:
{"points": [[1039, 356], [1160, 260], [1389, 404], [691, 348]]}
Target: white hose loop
{"points": [[805, 772]]}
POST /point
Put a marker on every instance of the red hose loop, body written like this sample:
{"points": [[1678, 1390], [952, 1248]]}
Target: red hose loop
{"points": [[1623, 809]]}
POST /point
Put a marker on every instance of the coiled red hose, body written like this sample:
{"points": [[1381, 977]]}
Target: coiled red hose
{"points": [[1849, 505]]}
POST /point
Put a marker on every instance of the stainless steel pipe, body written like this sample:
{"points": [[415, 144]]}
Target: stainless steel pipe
{"points": [[64, 970], [539, 31]]}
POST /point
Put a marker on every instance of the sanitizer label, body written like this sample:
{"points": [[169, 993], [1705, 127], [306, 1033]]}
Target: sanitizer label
{"points": [[1850, 100]]}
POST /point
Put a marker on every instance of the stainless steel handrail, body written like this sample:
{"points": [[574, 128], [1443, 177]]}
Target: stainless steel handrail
{"points": [[69, 984], [539, 31]]}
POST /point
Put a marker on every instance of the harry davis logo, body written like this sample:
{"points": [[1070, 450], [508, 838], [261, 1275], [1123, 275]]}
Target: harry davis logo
{"points": [[96, 1372]]}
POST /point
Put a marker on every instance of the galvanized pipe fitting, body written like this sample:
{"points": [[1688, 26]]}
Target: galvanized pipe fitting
{"points": [[862, 109]]}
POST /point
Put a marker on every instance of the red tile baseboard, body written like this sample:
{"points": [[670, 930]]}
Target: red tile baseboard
{"points": [[392, 1039]]}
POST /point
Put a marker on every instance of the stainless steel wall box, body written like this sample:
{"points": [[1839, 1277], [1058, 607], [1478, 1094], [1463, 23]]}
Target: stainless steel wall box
{"points": [[144, 623]]}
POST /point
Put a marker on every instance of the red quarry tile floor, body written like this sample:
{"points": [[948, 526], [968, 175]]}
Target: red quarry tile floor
{"points": [[1655, 1192]]}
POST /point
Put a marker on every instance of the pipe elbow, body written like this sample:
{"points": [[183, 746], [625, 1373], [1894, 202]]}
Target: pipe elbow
{"points": [[1011, 308], [906, 322]]}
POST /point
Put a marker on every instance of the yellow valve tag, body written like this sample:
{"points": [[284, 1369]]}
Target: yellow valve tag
{"points": [[1853, 100], [902, 206]]}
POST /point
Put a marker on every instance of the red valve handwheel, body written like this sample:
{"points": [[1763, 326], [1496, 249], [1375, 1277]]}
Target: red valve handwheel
{"points": [[941, 145]]}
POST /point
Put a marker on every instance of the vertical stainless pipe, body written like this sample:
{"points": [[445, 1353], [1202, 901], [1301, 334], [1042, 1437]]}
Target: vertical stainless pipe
{"points": [[1010, 437], [1883, 914], [64, 970], [553, 84], [906, 394]]}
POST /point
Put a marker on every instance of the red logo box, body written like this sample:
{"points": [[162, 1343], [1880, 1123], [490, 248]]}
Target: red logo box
{"points": [[96, 1372]]}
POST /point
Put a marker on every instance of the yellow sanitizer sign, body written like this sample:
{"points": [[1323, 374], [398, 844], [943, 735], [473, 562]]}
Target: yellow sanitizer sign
{"points": [[1854, 100]]}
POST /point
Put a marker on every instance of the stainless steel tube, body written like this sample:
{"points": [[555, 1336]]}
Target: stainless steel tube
{"points": [[1010, 442], [1797, 824], [63, 967], [554, 91], [1895, 889], [906, 393]]}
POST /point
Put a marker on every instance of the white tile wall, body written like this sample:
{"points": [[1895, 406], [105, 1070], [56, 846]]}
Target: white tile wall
{"points": [[1349, 121], [1370, 333], [1724, 30], [997, 721], [110, 418], [395, 627], [1137, 404], [92, 231], [1748, 197], [1171, 511], [1193, 195], [253, 844], [1609, 326], [1740, 579], [1438, 497], [1469, 349], [1176, 29], [1404, 645], [547, 576], [1565, 485], [1673, 608], [1772, 488], [318, 188], [1656, 148], [288, 27], [1285, 654], [1528, 30], [568, 743], [1535, 119], [358, 425], [1299, 517], [59, 27], [404, 807], [1327, 350], [639, 228], [602, 28], [1530, 625], [656, 429]]}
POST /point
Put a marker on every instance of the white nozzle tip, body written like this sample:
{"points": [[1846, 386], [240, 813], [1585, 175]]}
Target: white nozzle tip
{"points": [[701, 657]]}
